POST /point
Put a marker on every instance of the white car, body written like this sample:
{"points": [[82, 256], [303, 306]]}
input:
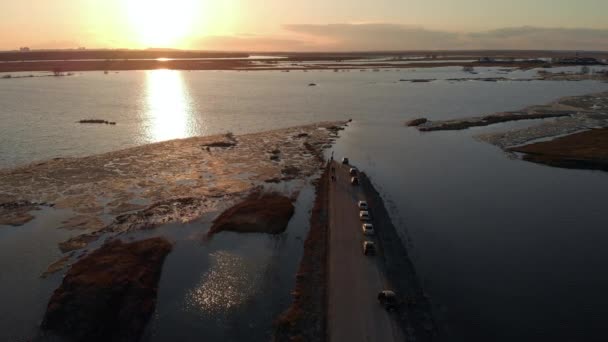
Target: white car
{"points": [[364, 215], [368, 229], [363, 205]]}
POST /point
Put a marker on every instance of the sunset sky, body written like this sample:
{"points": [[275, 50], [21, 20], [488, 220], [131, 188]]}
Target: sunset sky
{"points": [[312, 25]]}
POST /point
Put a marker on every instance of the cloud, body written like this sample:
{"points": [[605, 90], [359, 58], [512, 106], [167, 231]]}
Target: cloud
{"points": [[248, 42], [376, 36], [529, 37], [404, 37]]}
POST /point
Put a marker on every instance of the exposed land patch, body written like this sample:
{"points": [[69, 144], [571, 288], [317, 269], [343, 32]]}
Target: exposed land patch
{"points": [[116, 182], [460, 124], [586, 110], [110, 294], [576, 138], [16, 213], [172, 181], [306, 317], [585, 150], [258, 213]]}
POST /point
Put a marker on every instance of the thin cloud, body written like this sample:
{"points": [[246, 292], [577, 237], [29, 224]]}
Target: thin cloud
{"points": [[403, 37], [248, 42], [376, 36]]}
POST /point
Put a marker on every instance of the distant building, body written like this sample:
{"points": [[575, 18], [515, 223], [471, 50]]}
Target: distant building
{"points": [[24, 49]]}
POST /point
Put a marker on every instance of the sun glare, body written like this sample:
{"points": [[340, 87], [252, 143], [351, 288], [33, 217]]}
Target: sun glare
{"points": [[169, 106], [163, 23]]}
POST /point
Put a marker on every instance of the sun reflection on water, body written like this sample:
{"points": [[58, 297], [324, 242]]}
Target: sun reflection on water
{"points": [[169, 106], [230, 282]]}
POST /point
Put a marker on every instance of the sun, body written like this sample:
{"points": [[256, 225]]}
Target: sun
{"points": [[162, 23]]}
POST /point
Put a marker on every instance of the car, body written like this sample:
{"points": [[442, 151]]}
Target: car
{"points": [[364, 215], [345, 161], [353, 171], [388, 299], [368, 229], [363, 205], [369, 248], [354, 181]]}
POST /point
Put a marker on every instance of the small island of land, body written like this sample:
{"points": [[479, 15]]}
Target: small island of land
{"points": [[585, 150], [110, 294], [258, 213], [576, 137]]}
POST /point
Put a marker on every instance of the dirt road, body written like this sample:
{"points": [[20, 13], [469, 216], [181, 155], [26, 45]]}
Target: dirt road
{"points": [[354, 313]]}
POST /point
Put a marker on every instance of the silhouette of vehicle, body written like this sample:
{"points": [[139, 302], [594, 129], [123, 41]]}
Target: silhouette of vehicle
{"points": [[345, 161], [364, 215], [369, 248], [354, 181], [363, 205], [368, 229], [388, 299], [353, 171]]}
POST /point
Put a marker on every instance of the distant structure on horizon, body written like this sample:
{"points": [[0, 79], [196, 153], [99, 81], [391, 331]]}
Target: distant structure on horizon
{"points": [[24, 49]]}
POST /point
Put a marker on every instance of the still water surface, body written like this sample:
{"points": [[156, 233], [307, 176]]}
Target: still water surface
{"points": [[507, 250]]}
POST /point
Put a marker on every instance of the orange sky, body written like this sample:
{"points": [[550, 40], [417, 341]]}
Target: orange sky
{"points": [[304, 25]]}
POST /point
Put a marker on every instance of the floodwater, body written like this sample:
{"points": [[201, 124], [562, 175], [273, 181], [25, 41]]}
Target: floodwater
{"points": [[506, 249]]}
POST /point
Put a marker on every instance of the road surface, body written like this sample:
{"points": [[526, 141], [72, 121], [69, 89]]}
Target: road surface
{"points": [[354, 279]]}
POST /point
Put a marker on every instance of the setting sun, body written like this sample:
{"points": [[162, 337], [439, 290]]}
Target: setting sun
{"points": [[162, 23]]}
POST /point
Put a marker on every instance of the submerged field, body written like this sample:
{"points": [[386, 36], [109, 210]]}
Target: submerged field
{"points": [[495, 239]]}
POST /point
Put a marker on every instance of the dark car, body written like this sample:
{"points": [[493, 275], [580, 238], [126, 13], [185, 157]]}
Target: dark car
{"points": [[388, 299], [369, 248]]}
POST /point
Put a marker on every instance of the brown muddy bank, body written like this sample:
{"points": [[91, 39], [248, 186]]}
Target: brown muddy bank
{"points": [[306, 317], [108, 295], [585, 150], [258, 213]]}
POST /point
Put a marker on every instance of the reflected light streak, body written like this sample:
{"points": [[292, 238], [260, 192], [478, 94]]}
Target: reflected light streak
{"points": [[169, 106], [230, 282]]}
